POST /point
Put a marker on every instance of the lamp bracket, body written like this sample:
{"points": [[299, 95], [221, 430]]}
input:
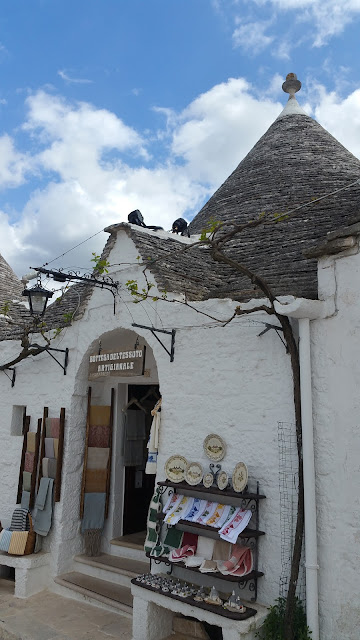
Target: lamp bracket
{"points": [[66, 357], [13, 377], [154, 331], [276, 329]]}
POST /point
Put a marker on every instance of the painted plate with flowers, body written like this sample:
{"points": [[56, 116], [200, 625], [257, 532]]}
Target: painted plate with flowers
{"points": [[175, 468], [240, 477], [214, 447], [194, 473]]}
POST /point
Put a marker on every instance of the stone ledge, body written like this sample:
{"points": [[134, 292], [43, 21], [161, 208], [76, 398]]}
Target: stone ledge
{"points": [[25, 562]]}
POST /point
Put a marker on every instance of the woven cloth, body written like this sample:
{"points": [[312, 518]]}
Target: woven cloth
{"points": [[56, 447], [26, 480], [152, 445], [232, 529], [154, 509], [25, 499], [49, 448], [208, 512], [99, 436], [44, 507], [29, 461], [99, 415], [173, 538], [5, 537], [97, 458], [20, 520], [52, 427], [18, 542], [172, 502], [174, 516], [95, 480], [94, 511], [240, 563], [31, 441], [215, 518]]}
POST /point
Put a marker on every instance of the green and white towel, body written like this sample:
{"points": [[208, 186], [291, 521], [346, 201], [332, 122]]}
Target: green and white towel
{"points": [[152, 521]]}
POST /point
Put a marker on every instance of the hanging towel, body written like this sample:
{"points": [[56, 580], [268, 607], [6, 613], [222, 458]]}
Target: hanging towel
{"points": [[214, 519], [99, 415], [196, 510], [208, 566], [240, 563], [29, 461], [99, 436], [154, 509], [94, 511], [172, 502], [52, 467], [231, 530], [221, 551], [49, 448], [207, 513], [44, 507], [97, 458], [20, 520], [18, 543], [56, 447], [153, 445], [45, 467], [226, 515], [173, 538], [5, 539], [31, 441], [95, 480], [25, 499], [52, 427], [26, 481], [174, 516], [160, 551]]}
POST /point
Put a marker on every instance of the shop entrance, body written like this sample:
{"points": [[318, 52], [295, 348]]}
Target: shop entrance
{"points": [[139, 487]]}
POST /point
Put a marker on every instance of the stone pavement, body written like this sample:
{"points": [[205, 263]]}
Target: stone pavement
{"points": [[47, 616]]}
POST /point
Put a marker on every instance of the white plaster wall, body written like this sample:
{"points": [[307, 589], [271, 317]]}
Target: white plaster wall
{"points": [[336, 396], [223, 380]]}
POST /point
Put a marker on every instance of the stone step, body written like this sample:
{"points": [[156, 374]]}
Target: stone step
{"points": [[112, 568], [114, 596], [124, 549]]}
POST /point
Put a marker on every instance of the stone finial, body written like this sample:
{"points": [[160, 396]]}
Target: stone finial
{"points": [[291, 85]]}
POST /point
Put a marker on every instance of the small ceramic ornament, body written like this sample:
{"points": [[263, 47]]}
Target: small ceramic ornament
{"points": [[231, 602], [239, 605], [213, 597], [200, 595]]}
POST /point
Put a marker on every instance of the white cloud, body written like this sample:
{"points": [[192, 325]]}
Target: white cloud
{"points": [[93, 184], [251, 36], [65, 76]]}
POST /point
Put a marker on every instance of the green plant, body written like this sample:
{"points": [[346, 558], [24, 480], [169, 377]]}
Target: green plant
{"points": [[101, 265], [273, 627]]}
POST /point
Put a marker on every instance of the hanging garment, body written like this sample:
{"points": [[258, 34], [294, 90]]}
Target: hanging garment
{"points": [[97, 458], [152, 521], [94, 511], [31, 441], [99, 415], [234, 527], [135, 434], [44, 507], [95, 480], [153, 445]]}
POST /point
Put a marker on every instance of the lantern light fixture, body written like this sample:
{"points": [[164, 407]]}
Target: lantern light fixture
{"points": [[38, 299]]}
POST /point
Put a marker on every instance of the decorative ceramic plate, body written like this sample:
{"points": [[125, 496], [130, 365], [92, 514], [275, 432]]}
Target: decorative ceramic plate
{"points": [[175, 468], [222, 480], [214, 447], [240, 477], [208, 479], [194, 473]]}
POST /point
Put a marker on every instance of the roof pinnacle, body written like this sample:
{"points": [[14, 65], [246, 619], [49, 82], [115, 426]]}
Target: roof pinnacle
{"points": [[291, 85]]}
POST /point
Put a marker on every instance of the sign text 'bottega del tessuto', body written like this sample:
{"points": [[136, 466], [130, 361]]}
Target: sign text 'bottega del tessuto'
{"points": [[127, 362]]}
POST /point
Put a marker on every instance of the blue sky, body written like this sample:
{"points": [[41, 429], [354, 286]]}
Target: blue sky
{"points": [[114, 105]]}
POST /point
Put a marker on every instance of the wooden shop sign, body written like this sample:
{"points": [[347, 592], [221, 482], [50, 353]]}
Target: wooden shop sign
{"points": [[127, 362]]}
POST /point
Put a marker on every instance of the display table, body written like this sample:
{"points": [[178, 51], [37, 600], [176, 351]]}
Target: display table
{"points": [[31, 572], [153, 613]]}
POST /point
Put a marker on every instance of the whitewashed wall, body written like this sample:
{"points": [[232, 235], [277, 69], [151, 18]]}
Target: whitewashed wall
{"points": [[336, 396], [223, 380]]}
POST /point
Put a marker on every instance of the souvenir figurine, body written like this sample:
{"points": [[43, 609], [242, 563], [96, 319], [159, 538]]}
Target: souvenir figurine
{"points": [[231, 602], [200, 595], [213, 597], [239, 605]]}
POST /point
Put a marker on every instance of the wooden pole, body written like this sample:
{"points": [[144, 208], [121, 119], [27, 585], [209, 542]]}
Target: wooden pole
{"points": [[26, 427], [108, 478], [85, 455], [60, 456], [42, 444]]}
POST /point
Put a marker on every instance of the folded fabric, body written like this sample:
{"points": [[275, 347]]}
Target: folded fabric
{"points": [[174, 516], [56, 447], [173, 538], [94, 511], [99, 436], [45, 467], [235, 526], [31, 441], [221, 551], [204, 551], [52, 427], [44, 507], [172, 502], [193, 510], [25, 499], [26, 480], [208, 566], [18, 542], [188, 508], [5, 539], [99, 415], [97, 457], [214, 519], [240, 563], [197, 510], [95, 480], [52, 468], [194, 561], [177, 555], [152, 445], [49, 448], [29, 461], [20, 520], [152, 521], [190, 538], [208, 512], [226, 515]]}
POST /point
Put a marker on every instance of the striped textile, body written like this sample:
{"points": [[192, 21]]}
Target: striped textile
{"points": [[20, 520]]}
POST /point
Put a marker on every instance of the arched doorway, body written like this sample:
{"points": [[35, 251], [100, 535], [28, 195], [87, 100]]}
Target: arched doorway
{"points": [[135, 394]]}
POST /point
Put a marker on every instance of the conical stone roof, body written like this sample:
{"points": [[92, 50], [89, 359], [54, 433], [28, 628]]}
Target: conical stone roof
{"points": [[10, 285], [294, 162]]}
